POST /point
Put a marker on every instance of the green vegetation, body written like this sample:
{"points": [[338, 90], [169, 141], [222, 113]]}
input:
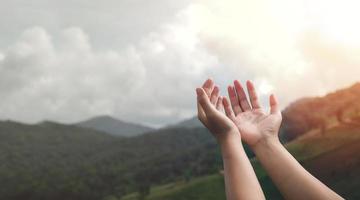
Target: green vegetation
{"points": [[204, 188], [56, 161], [72, 163], [317, 153]]}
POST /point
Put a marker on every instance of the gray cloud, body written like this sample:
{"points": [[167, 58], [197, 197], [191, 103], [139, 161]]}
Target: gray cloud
{"points": [[151, 81], [142, 65], [109, 23], [40, 80]]}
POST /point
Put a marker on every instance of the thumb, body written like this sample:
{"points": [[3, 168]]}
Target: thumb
{"points": [[204, 100]]}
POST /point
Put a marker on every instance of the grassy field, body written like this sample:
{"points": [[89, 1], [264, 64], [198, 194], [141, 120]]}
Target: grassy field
{"points": [[203, 188], [332, 157]]}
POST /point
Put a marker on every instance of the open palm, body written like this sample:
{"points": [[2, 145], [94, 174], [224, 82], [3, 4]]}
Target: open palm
{"points": [[253, 123], [210, 111]]}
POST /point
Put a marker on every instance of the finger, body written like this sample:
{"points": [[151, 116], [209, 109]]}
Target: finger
{"points": [[274, 105], [204, 101], [253, 96], [208, 86], [219, 104], [228, 111], [201, 114], [214, 95], [244, 104], [234, 100]]}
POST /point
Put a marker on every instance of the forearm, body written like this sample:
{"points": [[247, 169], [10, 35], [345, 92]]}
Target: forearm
{"points": [[240, 178], [293, 181]]}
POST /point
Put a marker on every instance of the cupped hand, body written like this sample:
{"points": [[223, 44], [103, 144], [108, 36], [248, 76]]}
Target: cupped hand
{"points": [[255, 125], [211, 112]]}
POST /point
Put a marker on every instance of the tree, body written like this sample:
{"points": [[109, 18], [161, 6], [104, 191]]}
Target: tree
{"points": [[187, 175], [143, 189]]}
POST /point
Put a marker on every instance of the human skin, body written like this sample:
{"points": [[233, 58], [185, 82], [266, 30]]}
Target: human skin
{"points": [[240, 178], [259, 129]]}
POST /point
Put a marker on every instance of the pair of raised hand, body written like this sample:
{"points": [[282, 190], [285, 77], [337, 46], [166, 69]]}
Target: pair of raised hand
{"points": [[235, 119], [222, 116]]}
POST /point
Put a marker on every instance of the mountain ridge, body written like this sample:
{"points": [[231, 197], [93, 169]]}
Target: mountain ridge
{"points": [[114, 126]]}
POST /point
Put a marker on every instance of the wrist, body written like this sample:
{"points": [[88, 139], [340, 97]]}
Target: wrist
{"points": [[231, 146], [229, 138], [266, 144]]}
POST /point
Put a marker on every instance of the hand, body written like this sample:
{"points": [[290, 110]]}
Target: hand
{"points": [[210, 112], [253, 123]]}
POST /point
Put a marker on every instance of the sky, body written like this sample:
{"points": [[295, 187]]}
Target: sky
{"points": [[141, 60]]}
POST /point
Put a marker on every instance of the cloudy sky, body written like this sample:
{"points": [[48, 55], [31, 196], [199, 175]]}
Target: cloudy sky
{"points": [[140, 60]]}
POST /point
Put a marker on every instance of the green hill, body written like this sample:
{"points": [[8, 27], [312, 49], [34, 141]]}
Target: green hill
{"points": [[209, 187], [56, 161], [332, 157]]}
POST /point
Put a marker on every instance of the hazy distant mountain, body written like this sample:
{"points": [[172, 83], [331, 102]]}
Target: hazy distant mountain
{"points": [[188, 123], [114, 126]]}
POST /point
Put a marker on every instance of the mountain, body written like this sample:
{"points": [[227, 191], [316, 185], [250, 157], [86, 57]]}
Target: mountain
{"points": [[114, 126], [188, 123], [320, 112], [56, 161]]}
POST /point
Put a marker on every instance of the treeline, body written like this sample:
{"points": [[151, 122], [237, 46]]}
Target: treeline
{"points": [[54, 161]]}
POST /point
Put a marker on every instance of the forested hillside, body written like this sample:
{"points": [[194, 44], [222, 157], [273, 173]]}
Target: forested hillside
{"points": [[55, 161], [321, 112], [333, 158]]}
